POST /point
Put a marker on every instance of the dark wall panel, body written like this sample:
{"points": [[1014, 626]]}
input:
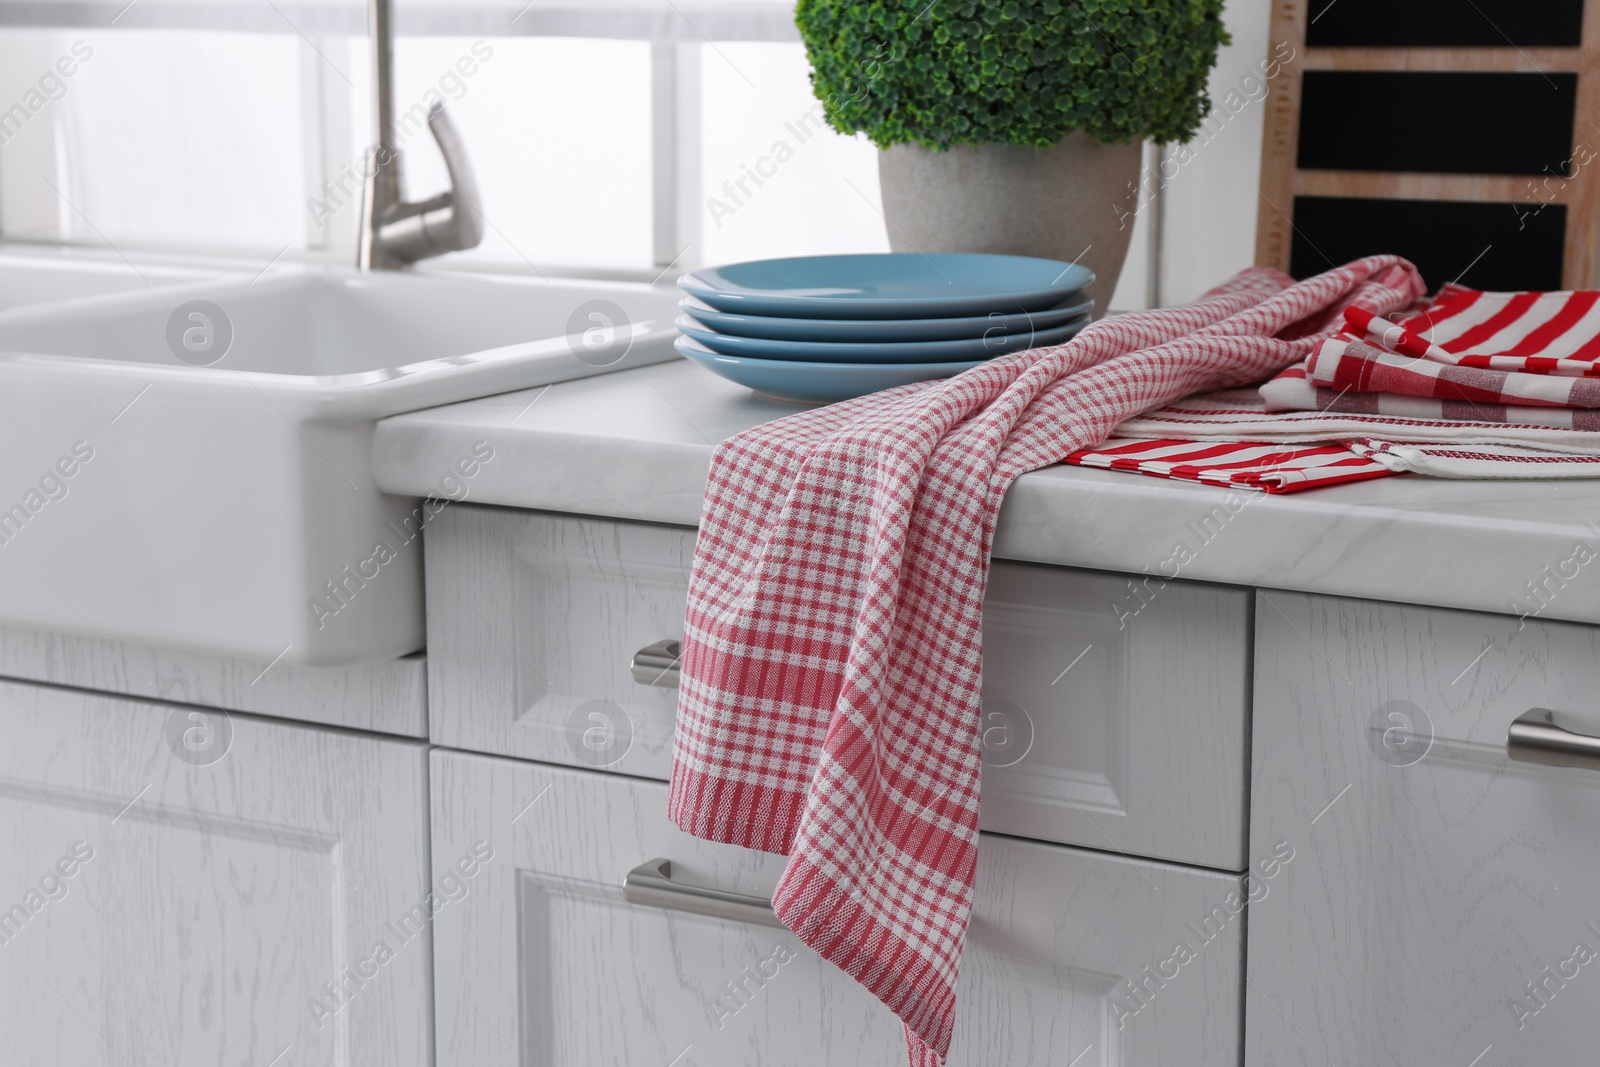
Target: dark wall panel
{"points": [[1486, 246], [1437, 123], [1444, 23]]}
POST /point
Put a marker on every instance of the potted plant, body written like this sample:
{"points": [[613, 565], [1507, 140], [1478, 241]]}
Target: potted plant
{"points": [[1013, 125]]}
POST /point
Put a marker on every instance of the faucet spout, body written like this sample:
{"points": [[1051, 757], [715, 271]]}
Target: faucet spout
{"points": [[395, 232]]}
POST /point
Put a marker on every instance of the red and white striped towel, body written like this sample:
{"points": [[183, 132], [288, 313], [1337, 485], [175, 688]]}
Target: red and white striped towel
{"points": [[832, 653], [1468, 355], [1464, 387], [1532, 332], [1270, 467]]}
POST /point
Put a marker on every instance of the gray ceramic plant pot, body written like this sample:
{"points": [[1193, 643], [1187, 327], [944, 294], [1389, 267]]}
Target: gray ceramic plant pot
{"points": [[1070, 202]]}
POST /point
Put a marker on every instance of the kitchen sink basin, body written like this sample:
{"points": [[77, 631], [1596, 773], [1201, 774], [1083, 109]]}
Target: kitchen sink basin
{"points": [[32, 276], [187, 465]]}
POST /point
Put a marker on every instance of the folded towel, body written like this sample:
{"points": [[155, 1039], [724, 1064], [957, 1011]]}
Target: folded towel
{"points": [[1269, 467], [1439, 447], [1532, 332], [1345, 365], [1293, 390], [832, 654], [1466, 356]]}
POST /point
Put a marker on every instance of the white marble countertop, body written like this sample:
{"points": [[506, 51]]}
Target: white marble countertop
{"points": [[637, 445]]}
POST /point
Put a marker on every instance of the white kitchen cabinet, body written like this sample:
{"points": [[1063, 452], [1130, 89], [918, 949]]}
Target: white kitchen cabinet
{"points": [[385, 696], [177, 885], [1441, 907], [1116, 719], [542, 962], [537, 619], [1115, 711]]}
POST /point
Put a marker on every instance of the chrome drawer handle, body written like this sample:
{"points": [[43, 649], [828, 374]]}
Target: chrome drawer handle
{"points": [[651, 884], [657, 664], [1534, 737]]}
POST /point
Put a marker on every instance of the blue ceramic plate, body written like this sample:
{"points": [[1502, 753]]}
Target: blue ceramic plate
{"points": [[863, 330], [897, 285], [815, 383], [888, 352]]}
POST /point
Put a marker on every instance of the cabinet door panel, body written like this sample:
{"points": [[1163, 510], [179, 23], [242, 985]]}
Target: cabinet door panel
{"points": [[1112, 722], [177, 886], [546, 964], [1434, 877], [536, 619]]}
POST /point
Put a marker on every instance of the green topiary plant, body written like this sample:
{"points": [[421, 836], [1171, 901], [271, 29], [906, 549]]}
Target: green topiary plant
{"points": [[1023, 72]]}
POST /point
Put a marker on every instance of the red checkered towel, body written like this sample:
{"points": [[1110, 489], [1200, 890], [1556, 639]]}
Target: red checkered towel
{"points": [[832, 653]]}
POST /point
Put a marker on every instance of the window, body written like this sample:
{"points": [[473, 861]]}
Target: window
{"points": [[169, 137], [612, 137], [776, 179], [559, 135]]}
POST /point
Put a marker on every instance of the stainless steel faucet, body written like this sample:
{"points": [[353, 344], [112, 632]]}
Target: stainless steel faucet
{"points": [[396, 232]]}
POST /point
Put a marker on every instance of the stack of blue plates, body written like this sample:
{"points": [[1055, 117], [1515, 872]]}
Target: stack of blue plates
{"points": [[821, 328]]}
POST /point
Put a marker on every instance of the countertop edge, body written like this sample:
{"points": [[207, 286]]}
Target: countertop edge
{"points": [[1393, 544]]}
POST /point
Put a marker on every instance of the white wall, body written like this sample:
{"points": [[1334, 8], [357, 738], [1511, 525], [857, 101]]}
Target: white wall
{"points": [[1208, 221]]}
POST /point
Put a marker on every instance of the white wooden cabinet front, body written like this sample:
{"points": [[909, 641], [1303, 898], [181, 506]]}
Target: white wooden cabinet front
{"points": [[536, 619], [177, 885], [1442, 905], [542, 963], [1115, 716], [385, 696]]}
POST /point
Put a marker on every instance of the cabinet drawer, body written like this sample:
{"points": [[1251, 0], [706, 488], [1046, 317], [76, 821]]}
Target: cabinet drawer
{"points": [[538, 618], [1114, 716], [1071, 956], [1441, 908]]}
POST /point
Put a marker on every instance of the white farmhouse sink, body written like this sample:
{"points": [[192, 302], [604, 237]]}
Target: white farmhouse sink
{"points": [[229, 508], [30, 276]]}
